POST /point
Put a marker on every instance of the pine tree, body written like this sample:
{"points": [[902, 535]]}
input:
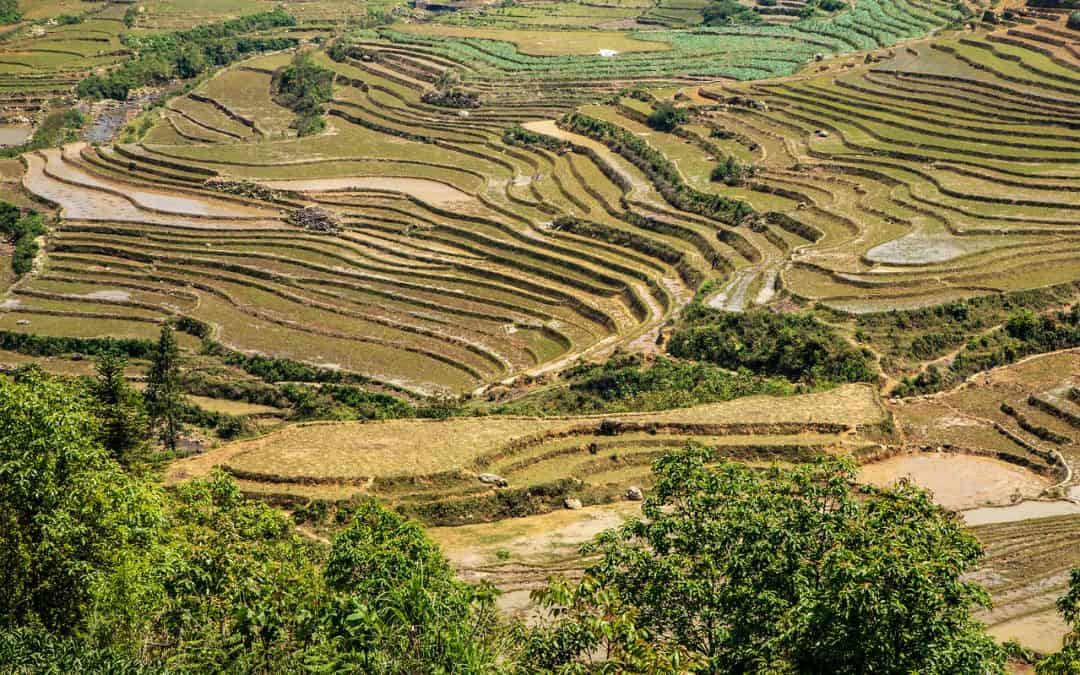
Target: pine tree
{"points": [[120, 409], [164, 399]]}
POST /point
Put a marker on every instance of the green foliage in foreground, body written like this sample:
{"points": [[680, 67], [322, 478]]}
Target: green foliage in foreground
{"points": [[22, 230], [304, 87], [29, 651], [737, 570], [795, 346], [732, 569], [627, 384], [105, 573], [71, 521], [9, 11]]}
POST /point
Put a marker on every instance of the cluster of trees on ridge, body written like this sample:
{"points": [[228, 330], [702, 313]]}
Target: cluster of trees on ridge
{"points": [[161, 57], [796, 346], [732, 569], [1024, 333]]}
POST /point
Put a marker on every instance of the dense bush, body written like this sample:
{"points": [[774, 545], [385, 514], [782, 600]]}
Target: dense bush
{"points": [[665, 117], [626, 383], [304, 87], [929, 332], [721, 12], [1023, 334], [160, 57], [70, 518], [731, 171], [795, 346], [735, 569], [9, 11], [1073, 21], [22, 230], [519, 135], [26, 651], [47, 345]]}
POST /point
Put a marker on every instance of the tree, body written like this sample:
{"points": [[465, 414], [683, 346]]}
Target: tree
{"points": [[665, 116], [785, 571], [305, 87], [397, 606], [242, 590], [119, 408], [722, 12], [164, 398], [9, 11], [1066, 661], [191, 61], [1073, 21], [70, 518]]}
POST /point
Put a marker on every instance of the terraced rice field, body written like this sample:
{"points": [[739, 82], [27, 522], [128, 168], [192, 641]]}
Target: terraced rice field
{"points": [[43, 62], [432, 466], [946, 170]]}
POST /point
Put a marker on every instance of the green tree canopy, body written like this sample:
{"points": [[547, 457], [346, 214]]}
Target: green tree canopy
{"points": [[70, 518], [398, 607], [119, 408], [164, 397], [786, 570]]}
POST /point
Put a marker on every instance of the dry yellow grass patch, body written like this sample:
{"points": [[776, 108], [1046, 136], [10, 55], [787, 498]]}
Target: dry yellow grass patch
{"points": [[357, 450]]}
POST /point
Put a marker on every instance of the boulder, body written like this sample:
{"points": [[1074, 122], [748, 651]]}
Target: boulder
{"points": [[572, 503], [634, 494], [493, 479]]}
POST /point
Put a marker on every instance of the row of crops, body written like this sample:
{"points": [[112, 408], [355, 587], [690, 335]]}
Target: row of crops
{"points": [[941, 173], [748, 52]]}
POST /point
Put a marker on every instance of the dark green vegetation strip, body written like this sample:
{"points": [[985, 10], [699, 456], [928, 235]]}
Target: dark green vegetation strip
{"points": [[795, 346]]}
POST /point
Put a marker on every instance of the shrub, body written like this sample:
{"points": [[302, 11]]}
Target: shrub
{"points": [[658, 168], [304, 87], [738, 569], [1073, 21], [9, 11], [519, 135], [729, 12], [731, 172], [665, 117], [22, 230], [60, 126]]}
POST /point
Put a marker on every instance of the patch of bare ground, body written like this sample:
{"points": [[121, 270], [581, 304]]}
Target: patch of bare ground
{"points": [[957, 481], [518, 555]]}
